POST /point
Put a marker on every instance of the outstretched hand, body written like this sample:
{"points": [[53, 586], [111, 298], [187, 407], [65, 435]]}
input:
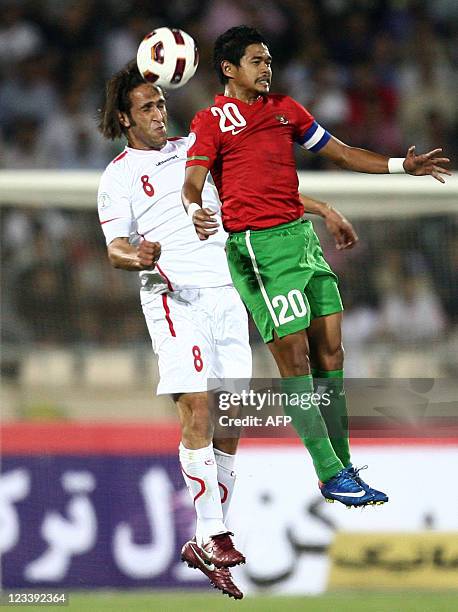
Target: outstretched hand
{"points": [[205, 223], [148, 253], [427, 163], [342, 230]]}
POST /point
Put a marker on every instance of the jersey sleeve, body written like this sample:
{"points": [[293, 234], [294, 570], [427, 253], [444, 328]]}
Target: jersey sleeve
{"points": [[309, 134], [203, 141], [113, 204]]}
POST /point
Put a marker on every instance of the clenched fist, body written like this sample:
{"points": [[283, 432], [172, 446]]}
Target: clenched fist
{"points": [[148, 253]]}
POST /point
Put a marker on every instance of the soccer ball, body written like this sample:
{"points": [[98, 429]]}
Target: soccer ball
{"points": [[167, 57]]}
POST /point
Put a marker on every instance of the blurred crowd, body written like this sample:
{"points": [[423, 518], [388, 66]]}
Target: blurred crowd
{"points": [[399, 285], [379, 74]]}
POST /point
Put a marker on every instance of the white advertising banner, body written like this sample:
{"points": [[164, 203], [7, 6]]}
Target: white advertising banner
{"points": [[285, 528]]}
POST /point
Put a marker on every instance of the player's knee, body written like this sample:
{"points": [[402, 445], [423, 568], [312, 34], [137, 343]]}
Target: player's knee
{"points": [[295, 363], [332, 357], [292, 354]]}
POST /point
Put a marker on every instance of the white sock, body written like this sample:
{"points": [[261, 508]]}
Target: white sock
{"points": [[200, 475], [226, 478]]}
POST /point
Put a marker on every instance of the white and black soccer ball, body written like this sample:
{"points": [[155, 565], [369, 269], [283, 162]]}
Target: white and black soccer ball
{"points": [[167, 57]]}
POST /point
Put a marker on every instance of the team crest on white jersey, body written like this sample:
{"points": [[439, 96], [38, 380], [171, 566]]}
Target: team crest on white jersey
{"points": [[104, 201]]}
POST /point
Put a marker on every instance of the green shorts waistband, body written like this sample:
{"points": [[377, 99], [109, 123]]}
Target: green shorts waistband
{"points": [[282, 226]]}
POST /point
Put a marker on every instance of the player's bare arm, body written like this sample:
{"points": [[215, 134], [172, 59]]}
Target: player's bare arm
{"points": [[126, 256], [191, 193], [362, 160], [336, 224]]}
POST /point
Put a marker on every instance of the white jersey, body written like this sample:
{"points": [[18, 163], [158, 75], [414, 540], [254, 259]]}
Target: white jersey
{"points": [[140, 196]]}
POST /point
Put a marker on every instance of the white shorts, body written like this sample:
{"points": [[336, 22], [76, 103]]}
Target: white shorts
{"points": [[198, 334]]}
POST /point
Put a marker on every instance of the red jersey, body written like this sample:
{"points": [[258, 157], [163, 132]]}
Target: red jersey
{"points": [[249, 150]]}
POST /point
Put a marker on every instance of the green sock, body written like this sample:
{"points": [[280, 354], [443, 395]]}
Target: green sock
{"points": [[335, 415], [310, 425]]}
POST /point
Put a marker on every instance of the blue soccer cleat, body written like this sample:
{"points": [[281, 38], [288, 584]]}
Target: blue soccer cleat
{"points": [[379, 496], [343, 488]]}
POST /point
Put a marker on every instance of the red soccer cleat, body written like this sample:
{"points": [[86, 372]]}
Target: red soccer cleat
{"points": [[220, 551], [220, 578]]}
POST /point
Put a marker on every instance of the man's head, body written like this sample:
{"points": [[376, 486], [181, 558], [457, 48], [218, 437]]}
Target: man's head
{"points": [[135, 109], [241, 55]]}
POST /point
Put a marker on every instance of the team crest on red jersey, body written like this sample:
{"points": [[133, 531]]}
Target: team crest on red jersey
{"points": [[282, 119]]}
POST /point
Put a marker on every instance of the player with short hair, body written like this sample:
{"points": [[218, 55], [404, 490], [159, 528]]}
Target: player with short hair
{"points": [[197, 322], [245, 139]]}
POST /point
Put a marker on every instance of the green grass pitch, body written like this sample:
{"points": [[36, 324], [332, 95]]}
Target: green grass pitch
{"points": [[142, 601]]}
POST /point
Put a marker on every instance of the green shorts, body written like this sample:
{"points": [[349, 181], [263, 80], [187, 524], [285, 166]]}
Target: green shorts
{"points": [[283, 278]]}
